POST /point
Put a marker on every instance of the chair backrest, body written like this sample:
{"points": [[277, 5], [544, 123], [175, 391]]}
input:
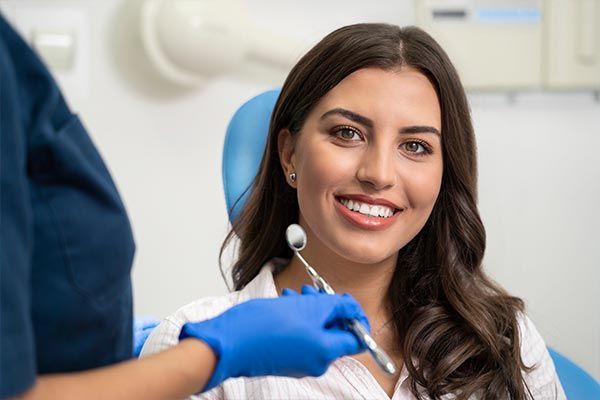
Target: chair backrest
{"points": [[243, 150], [578, 384]]}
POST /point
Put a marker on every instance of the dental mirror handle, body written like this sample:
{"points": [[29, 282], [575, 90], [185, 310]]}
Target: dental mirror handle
{"points": [[381, 358], [318, 282]]}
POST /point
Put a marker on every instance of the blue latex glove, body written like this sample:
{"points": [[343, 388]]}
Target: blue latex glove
{"points": [[293, 335], [142, 328]]}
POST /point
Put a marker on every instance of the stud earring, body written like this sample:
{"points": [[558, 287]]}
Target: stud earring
{"points": [[293, 177]]}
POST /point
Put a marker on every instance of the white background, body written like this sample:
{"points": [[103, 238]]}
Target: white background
{"points": [[538, 156]]}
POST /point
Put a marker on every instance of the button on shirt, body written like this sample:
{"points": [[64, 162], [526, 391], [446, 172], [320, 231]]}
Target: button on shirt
{"points": [[346, 378]]}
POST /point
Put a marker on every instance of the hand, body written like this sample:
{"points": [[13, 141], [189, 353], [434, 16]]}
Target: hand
{"points": [[142, 328], [293, 335]]}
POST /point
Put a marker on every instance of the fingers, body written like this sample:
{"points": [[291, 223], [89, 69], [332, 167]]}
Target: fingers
{"points": [[307, 289], [144, 322], [346, 307], [337, 309], [340, 342], [288, 292]]}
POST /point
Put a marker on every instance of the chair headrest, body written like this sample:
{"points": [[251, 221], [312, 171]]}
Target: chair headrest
{"points": [[244, 146]]}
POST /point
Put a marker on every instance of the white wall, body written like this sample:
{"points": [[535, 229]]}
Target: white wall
{"points": [[539, 168], [539, 185]]}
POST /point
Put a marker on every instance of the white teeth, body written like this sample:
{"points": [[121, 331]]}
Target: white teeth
{"points": [[366, 209]]}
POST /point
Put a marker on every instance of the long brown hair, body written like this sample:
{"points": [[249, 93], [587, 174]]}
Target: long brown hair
{"points": [[457, 330]]}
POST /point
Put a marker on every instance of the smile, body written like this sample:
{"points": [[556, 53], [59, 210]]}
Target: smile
{"points": [[367, 209], [366, 215]]}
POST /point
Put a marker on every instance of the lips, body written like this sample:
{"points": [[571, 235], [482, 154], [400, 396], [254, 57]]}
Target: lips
{"points": [[365, 221], [370, 200]]}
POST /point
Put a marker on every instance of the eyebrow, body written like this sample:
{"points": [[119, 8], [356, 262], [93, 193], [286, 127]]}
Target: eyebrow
{"points": [[369, 123]]}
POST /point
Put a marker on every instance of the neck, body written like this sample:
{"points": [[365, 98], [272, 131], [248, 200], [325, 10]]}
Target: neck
{"points": [[367, 283]]}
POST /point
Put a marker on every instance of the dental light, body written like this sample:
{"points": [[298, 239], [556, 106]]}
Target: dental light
{"points": [[190, 41]]}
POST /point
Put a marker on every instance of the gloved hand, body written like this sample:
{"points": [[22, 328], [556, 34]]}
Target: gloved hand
{"points": [[293, 335], [142, 328]]}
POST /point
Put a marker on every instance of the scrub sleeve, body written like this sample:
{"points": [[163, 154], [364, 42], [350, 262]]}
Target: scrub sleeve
{"points": [[66, 243]]}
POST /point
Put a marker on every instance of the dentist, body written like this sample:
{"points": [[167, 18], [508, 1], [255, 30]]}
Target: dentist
{"points": [[65, 259]]}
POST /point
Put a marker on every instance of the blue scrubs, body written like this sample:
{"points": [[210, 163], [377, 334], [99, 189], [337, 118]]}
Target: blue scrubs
{"points": [[66, 243]]}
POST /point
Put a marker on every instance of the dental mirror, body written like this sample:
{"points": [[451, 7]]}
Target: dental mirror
{"points": [[296, 237]]}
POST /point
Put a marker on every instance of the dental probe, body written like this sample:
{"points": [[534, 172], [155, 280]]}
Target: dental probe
{"points": [[296, 239]]}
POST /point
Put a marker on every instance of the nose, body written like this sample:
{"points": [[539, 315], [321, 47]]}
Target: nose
{"points": [[376, 168]]}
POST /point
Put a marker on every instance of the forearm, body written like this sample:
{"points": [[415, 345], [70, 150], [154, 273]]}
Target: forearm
{"points": [[175, 373]]}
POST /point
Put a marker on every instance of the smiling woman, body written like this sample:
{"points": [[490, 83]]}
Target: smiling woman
{"points": [[368, 141], [372, 151]]}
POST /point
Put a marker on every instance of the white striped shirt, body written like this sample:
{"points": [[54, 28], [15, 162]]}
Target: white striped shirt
{"points": [[346, 378]]}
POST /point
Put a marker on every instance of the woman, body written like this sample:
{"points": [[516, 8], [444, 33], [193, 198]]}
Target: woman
{"points": [[371, 149]]}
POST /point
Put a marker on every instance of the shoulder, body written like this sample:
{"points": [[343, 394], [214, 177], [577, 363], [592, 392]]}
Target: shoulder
{"points": [[532, 344], [204, 308], [541, 379], [166, 334]]}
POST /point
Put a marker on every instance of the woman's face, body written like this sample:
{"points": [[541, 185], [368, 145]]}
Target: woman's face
{"points": [[369, 163]]}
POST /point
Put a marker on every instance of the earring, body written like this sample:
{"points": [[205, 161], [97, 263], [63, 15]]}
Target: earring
{"points": [[293, 177]]}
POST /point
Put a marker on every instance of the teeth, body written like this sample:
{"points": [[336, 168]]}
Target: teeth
{"points": [[366, 209]]}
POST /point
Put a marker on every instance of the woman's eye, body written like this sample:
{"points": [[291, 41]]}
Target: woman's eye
{"points": [[348, 134], [415, 147]]}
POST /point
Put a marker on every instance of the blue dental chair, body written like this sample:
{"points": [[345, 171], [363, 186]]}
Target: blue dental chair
{"points": [[244, 146], [245, 142], [577, 383]]}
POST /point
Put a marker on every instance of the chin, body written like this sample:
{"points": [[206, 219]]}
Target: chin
{"points": [[372, 254]]}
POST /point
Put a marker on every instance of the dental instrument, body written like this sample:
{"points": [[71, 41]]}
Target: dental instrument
{"points": [[296, 240]]}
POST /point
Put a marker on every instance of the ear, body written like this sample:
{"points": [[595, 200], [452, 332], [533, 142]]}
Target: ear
{"points": [[286, 147]]}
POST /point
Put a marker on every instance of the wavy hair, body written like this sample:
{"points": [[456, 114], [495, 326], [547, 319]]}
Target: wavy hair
{"points": [[457, 330]]}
